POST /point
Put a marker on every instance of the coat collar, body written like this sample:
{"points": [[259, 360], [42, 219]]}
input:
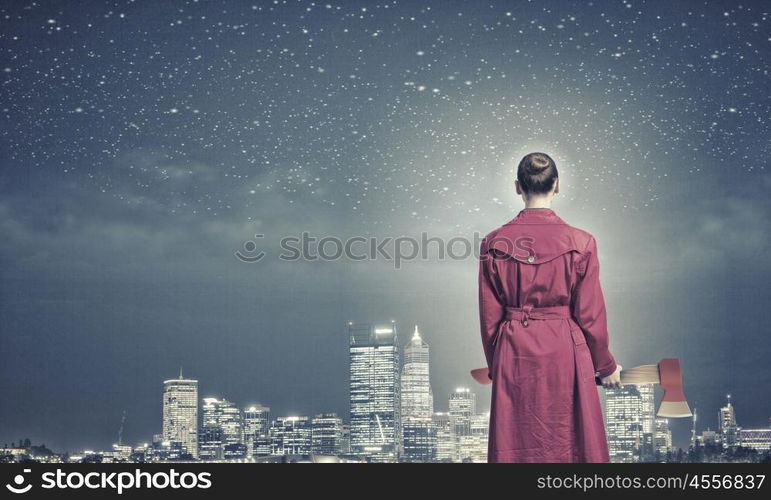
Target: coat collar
{"points": [[536, 216]]}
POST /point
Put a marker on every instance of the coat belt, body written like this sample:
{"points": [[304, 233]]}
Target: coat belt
{"points": [[528, 312]]}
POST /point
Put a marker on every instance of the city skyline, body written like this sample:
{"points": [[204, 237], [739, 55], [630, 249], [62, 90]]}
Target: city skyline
{"points": [[729, 434], [418, 433], [391, 415]]}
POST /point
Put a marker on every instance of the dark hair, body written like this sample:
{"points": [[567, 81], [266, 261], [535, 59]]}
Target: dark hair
{"points": [[537, 173]]}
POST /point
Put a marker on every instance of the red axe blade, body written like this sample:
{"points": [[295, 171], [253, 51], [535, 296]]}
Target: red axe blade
{"points": [[481, 375], [671, 379]]}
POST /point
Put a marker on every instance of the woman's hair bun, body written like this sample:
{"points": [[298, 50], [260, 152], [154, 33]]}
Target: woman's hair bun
{"points": [[538, 163], [537, 173]]}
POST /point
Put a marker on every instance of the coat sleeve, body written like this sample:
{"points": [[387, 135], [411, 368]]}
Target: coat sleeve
{"points": [[589, 310], [491, 307]]}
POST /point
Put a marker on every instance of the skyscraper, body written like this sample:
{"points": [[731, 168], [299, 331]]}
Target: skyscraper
{"points": [[629, 423], [256, 424], [418, 433], [375, 391], [463, 405], [727, 421], [222, 421], [662, 437], [417, 397], [180, 413], [327, 434], [648, 421], [445, 438]]}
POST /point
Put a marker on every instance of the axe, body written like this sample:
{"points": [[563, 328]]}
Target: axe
{"points": [[667, 374]]}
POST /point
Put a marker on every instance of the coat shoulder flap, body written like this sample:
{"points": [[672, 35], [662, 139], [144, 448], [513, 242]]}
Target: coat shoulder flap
{"points": [[534, 246]]}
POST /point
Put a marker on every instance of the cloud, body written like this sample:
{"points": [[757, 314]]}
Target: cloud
{"points": [[728, 230]]}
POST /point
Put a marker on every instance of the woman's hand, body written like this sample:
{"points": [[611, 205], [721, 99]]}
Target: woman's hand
{"points": [[613, 381]]}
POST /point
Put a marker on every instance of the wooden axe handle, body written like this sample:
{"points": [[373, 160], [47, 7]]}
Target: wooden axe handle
{"points": [[637, 375]]}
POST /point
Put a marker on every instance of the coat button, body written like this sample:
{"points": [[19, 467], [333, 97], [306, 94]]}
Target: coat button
{"points": [[531, 259], [524, 323]]}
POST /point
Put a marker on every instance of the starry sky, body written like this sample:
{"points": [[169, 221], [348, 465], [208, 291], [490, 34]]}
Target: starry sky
{"points": [[144, 143]]}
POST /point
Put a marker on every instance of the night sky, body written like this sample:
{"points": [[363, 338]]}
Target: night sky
{"points": [[143, 143]]}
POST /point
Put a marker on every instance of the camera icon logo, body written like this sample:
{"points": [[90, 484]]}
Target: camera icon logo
{"points": [[18, 483]]}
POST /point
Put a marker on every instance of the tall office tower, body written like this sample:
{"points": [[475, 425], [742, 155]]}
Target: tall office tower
{"points": [[662, 441], [232, 424], [180, 413], [290, 436], [223, 415], [648, 421], [327, 434], [256, 424], [417, 397], [463, 404], [473, 446], [418, 432], [375, 392], [728, 428], [445, 437], [628, 413]]}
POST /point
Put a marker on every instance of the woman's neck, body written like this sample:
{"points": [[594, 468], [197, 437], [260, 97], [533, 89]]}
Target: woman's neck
{"points": [[538, 202]]}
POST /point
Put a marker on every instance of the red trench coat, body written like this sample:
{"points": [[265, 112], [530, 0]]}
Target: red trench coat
{"points": [[544, 333]]}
